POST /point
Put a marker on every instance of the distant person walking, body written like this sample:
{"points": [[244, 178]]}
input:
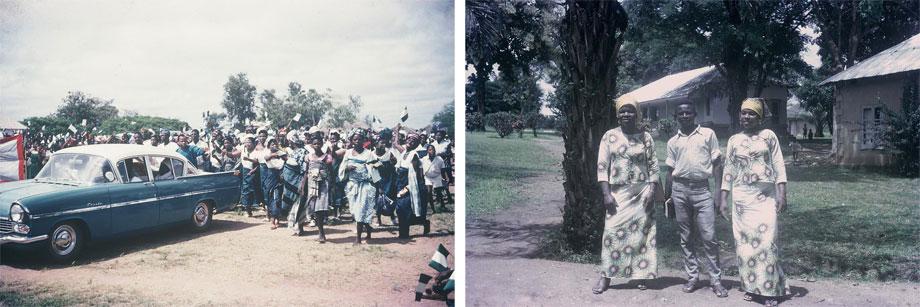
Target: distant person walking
{"points": [[627, 171], [756, 176]]}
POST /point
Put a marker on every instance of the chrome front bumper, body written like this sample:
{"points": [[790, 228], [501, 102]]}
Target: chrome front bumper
{"points": [[20, 239]]}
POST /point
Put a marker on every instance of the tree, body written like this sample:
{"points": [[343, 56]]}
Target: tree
{"points": [[77, 106], [484, 23], [819, 100], [344, 114], [137, 123], [445, 119], [591, 36], [239, 99]]}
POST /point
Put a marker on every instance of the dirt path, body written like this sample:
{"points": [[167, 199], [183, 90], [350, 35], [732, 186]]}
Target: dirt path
{"points": [[502, 269], [240, 261]]}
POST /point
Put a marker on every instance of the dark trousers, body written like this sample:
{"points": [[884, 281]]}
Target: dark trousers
{"points": [[695, 211]]}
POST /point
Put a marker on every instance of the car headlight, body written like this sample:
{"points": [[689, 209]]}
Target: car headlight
{"points": [[17, 213]]}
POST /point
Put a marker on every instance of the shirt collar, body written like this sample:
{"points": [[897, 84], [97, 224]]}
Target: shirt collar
{"points": [[695, 130]]}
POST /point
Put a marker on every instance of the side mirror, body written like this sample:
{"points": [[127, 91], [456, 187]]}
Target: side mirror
{"points": [[110, 176]]}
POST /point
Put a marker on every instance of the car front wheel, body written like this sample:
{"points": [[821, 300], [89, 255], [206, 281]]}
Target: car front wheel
{"points": [[65, 242], [201, 217]]}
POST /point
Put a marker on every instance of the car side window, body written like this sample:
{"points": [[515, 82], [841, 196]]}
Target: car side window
{"points": [[178, 167], [133, 170], [161, 167]]}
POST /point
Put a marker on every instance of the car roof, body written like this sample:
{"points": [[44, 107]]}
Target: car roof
{"points": [[116, 152]]}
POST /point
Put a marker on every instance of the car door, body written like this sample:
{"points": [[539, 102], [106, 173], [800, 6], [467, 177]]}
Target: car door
{"points": [[134, 201], [174, 193]]}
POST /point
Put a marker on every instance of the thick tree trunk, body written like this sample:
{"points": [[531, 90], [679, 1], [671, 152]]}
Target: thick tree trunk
{"points": [[480, 79], [591, 37]]}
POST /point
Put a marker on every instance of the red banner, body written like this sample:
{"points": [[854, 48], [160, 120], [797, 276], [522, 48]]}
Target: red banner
{"points": [[12, 159]]}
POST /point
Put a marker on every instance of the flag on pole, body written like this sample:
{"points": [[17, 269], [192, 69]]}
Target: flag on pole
{"points": [[449, 286], [72, 129], [297, 117], [439, 259], [12, 159], [422, 284], [83, 123], [43, 127], [405, 114]]}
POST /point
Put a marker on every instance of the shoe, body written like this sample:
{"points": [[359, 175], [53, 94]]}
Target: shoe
{"points": [[719, 290], [690, 286], [641, 286], [427, 227]]}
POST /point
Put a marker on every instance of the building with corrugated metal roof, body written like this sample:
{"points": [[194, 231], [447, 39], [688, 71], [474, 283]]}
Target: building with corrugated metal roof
{"points": [[863, 94], [706, 90]]}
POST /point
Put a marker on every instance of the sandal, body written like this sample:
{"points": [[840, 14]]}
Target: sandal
{"points": [[690, 286], [771, 302], [719, 290], [602, 285], [747, 297], [641, 286]]}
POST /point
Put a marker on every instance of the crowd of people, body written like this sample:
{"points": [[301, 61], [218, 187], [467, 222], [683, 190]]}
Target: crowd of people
{"points": [[309, 177]]}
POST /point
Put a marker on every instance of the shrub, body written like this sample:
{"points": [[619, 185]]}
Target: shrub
{"points": [[473, 121], [503, 122], [666, 128], [903, 133]]}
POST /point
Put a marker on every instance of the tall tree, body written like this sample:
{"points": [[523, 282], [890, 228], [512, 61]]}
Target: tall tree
{"points": [[591, 35], [445, 119], [239, 99], [484, 23], [77, 106]]}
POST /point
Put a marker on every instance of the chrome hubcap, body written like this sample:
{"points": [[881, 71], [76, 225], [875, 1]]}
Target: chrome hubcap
{"points": [[201, 215], [63, 240]]}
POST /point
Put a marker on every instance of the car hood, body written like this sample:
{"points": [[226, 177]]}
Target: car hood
{"points": [[13, 191]]}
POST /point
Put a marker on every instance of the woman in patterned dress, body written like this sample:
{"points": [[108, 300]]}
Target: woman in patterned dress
{"points": [[358, 170], [627, 171], [292, 178], [756, 176]]}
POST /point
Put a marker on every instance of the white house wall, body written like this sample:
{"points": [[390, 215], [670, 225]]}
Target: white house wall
{"points": [[850, 97]]}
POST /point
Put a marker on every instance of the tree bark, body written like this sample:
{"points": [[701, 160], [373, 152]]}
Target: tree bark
{"points": [[592, 32]]}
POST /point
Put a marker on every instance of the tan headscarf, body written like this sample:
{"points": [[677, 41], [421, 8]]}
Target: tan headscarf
{"points": [[753, 104], [628, 100]]}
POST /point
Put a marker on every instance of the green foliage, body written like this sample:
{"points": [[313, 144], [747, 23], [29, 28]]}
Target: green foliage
{"points": [[341, 115], [77, 106], [666, 128], [445, 119], [503, 122], [474, 120], [239, 99], [819, 100], [903, 132], [139, 122]]}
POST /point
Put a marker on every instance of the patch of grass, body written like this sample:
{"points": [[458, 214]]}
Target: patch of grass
{"points": [[496, 166], [19, 294], [858, 223]]}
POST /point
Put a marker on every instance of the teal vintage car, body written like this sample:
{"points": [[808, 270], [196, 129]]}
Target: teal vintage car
{"points": [[101, 192]]}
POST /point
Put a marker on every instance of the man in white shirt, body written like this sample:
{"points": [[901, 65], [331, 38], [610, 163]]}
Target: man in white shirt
{"points": [[693, 156]]}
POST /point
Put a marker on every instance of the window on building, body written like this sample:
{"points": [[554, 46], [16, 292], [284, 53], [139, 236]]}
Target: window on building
{"points": [[873, 122]]}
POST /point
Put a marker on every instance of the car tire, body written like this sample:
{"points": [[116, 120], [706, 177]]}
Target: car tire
{"points": [[202, 217], [65, 242]]}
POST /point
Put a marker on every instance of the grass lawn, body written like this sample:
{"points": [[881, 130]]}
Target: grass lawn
{"points": [[495, 166], [841, 222]]}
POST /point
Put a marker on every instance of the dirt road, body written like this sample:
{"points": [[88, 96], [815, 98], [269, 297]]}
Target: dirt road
{"points": [[503, 271], [240, 261]]}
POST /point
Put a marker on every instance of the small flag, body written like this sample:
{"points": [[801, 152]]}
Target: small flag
{"points": [[72, 129], [297, 117], [133, 123], [83, 123], [439, 259], [405, 114], [422, 284], [43, 127], [29, 123], [94, 128], [247, 122]]}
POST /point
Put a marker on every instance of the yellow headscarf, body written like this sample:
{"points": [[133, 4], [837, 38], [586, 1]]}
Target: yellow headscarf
{"points": [[753, 104], [628, 100]]}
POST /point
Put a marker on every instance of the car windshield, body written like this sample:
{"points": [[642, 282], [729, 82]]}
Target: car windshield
{"points": [[76, 168]]}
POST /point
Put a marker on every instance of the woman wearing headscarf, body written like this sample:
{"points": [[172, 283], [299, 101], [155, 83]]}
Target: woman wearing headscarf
{"points": [[271, 165], [292, 176], [411, 195], [756, 176], [386, 187], [315, 186], [249, 163], [358, 170], [627, 171]]}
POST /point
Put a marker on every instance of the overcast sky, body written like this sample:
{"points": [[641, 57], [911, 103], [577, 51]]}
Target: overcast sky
{"points": [[171, 58]]}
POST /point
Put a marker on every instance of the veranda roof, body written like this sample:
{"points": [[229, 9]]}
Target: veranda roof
{"points": [[673, 86], [900, 58]]}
